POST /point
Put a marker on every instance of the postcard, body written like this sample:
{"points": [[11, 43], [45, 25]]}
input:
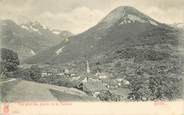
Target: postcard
{"points": [[91, 57]]}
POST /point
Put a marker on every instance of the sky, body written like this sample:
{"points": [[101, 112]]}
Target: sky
{"points": [[79, 15]]}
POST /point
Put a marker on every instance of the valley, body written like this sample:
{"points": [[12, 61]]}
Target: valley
{"points": [[127, 56]]}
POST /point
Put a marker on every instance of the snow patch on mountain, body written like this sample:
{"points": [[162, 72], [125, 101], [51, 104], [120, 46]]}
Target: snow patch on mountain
{"points": [[30, 28], [44, 27], [131, 19], [25, 27], [134, 18], [153, 23], [59, 51], [56, 32], [34, 29], [32, 52]]}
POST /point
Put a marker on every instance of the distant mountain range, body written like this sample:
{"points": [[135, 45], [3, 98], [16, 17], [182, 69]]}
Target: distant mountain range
{"points": [[30, 38], [123, 33]]}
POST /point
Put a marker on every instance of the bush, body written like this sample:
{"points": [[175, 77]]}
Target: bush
{"points": [[9, 60], [35, 72], [164, 88], [108, 96]]}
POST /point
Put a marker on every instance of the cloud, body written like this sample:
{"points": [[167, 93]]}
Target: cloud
{"points": [[77, 20], [79, 15]]}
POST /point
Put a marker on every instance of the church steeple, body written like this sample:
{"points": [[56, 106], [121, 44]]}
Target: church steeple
{"points": [[87, 67]]}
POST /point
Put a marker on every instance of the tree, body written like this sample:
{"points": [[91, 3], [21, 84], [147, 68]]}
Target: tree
{"points": [[35, 72], [9, 60], [164, 88]]}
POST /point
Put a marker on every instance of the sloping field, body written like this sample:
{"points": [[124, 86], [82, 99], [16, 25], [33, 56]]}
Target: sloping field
{"points": [[21, 90]]}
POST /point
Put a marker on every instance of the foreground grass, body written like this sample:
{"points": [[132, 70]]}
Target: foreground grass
{"points": [[5, 88], [61, 96]]}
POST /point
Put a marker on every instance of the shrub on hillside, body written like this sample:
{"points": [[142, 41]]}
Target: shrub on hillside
{"points": [[35, 72], [9, 60], [108, 96]]}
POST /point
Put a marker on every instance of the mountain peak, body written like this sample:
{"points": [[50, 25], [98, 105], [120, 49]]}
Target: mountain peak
{"points": [[125, 9], [125, 15], [34, 24]]}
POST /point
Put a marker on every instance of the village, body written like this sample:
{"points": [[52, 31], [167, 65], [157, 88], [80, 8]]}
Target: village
{"points": [[94, 84]]}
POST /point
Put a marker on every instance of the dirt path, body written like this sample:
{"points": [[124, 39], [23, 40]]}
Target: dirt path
{"points": [[10, 80]]}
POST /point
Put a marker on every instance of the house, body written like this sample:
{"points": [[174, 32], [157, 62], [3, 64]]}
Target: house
{"points": [[103, 75], [44, 74], [60, 74], [122, 81], [75, 78]]}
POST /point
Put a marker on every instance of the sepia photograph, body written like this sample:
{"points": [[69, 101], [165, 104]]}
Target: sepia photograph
{"points": [[91, 51]]}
